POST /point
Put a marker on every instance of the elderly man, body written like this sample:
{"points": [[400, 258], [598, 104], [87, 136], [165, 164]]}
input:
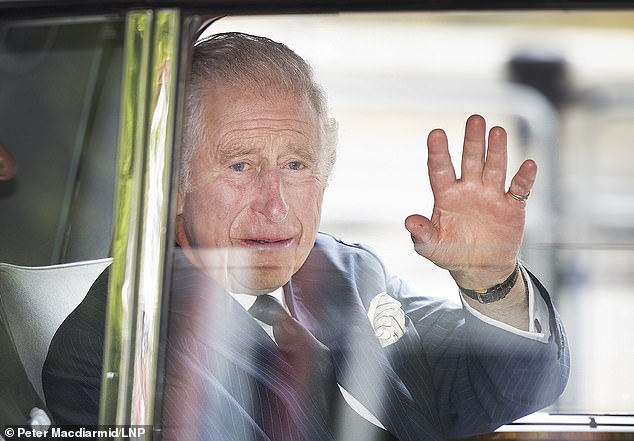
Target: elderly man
{"points": [[279, 332]]}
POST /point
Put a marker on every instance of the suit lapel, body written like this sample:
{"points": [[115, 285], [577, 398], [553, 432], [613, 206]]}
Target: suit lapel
{"points": [[328, 295]]}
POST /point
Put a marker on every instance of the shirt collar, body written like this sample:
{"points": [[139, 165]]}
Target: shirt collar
{"points": [[247, 300]]}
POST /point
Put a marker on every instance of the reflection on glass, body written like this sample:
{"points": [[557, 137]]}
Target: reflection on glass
{"points": [[140, 238], [291, 333], [153, 238], [560, 83]]}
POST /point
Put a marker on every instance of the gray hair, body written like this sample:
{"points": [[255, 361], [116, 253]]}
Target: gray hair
{"points": [[237, 59]]}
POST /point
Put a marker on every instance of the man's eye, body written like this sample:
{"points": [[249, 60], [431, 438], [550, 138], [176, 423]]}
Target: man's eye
{"points": [[239, 166], [295, 165]]}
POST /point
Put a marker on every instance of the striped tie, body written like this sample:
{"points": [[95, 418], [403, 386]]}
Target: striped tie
{"points": [[312, 363]]}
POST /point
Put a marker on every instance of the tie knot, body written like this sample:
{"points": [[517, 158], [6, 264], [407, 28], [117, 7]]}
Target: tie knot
{"points": [[268, 310]]}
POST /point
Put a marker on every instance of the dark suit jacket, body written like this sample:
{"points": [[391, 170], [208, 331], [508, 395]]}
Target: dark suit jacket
{"points": [[71, 376], [449, 375]]}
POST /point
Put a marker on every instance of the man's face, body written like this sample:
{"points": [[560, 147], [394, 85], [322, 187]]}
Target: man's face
{"points": [[257, 186]]}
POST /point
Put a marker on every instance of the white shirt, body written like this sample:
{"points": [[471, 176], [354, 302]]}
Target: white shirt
{"points": [[538, 316]]}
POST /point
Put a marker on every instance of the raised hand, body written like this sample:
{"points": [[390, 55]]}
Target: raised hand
{"points": [[476, 227]]}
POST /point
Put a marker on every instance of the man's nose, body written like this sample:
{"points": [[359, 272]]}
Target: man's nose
{"points": [[270, 201]]}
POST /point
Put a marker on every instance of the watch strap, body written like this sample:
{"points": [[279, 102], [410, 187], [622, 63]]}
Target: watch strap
{"points": [[496, 292]]}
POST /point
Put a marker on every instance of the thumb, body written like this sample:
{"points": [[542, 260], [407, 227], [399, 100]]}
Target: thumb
{"points": [[424, 234]]}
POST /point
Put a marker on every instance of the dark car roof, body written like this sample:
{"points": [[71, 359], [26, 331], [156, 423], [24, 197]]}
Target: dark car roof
{"points": [[100, 6]]}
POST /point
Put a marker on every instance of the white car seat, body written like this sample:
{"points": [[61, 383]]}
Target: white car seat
{"points": [[34, 301]]}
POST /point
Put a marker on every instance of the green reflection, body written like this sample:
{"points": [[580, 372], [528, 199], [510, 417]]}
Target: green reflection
{"points": [[146, 143], [120, 295], [153, 239]]}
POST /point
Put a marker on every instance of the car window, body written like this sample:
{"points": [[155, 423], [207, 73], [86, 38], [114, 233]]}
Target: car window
{"points": [[60, 86], [560, 83], [59, 104]]}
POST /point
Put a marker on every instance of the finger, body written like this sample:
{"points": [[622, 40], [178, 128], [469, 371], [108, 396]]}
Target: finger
{"points": [[494, 173], [522, 182], [473, 149], [424, 234], [441, 172]]}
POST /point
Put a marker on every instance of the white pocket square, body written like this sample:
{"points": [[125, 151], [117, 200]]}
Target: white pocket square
{"points": [[387, 318]]}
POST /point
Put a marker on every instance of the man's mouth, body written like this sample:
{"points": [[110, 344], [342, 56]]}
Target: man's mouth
{"points": [[266, 243]]}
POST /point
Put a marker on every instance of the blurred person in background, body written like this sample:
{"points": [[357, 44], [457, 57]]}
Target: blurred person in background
{"points": [[8, 166]]}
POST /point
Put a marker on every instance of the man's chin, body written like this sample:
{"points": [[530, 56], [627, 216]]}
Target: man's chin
{"points": [[247, 271], [258, 280]]}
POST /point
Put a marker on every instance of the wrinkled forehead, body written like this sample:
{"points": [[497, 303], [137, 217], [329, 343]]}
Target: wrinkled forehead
{"points": [[257, 91], [231, 113]]}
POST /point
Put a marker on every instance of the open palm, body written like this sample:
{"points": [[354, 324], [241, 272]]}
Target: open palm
{"points": [[476, 227]]}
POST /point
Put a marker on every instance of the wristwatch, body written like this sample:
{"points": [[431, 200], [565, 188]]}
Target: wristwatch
{"points": [[496, 292]]}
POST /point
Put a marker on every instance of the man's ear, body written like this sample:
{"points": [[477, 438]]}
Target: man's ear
{"points": [[179, 228], [180, 202], [180, 231]]}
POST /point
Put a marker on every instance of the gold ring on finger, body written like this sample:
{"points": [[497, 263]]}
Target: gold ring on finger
{"points": [[519, 197]]}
